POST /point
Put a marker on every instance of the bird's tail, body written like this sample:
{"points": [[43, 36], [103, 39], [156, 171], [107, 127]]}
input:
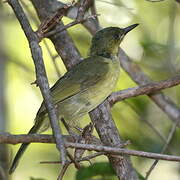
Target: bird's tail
{"points": [[21, 150]]}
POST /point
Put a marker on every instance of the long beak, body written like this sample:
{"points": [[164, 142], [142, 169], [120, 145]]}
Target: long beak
{"points": [[129, 28]]}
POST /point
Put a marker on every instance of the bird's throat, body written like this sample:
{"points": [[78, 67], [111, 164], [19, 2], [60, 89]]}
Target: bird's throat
{"points": [[106, 52]]}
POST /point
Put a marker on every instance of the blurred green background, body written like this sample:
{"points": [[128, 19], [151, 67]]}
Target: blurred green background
{"points": [[154, 45]]}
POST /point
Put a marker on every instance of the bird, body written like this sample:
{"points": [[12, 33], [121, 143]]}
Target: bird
{"points": [[85, 85]]}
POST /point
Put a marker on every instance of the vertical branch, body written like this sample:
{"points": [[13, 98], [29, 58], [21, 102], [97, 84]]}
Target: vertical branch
{"points": [[109, 136], [40, 73]]}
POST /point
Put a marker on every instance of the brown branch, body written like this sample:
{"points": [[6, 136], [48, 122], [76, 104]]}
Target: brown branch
{"points": [[143, 90], [40, 73], [7, 138], [62, 171], [109, 135], [120, 151], [84, 5], [86, 158], [14, 139]]}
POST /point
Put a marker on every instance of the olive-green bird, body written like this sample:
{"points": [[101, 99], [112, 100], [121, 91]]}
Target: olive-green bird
{"points": [[86, 85]]}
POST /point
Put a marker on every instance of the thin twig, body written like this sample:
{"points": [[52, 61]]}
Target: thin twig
{"points": [[120, 151], [74, 161], [40, 74], [63, 170], [169, 138], [58, 30], [87, 158], [62, 41], [51, 21]]}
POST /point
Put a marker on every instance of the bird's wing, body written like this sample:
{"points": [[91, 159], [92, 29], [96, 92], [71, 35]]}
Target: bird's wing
{"points": [[81, 77]]}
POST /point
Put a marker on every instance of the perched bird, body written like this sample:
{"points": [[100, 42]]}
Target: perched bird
{"points": [[86, 85]]}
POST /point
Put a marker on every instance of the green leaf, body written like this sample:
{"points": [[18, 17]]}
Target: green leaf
{"points": [[101, 170], [140, 176]]}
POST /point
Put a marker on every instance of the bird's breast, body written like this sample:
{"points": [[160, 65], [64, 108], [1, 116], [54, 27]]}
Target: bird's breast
{"points": [[102, 89]]}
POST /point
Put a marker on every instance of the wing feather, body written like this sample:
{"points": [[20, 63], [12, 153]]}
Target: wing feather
{"points": [[81, 77]]}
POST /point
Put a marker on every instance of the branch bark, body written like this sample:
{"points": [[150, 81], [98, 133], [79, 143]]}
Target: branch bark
{"points": [[148, 89], [110, 136], [40, 72]]}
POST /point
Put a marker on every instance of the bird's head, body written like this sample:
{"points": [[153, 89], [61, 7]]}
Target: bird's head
{"points": [[106, 41]]}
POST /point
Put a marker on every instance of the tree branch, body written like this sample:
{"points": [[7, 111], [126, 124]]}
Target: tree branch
{"points": [[109, 135], [69, 143], [40, 72], [147, 89], [7, 138]]}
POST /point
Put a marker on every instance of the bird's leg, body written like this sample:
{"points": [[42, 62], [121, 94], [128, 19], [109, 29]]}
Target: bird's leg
{"points": [[84, 138], [72, 159], [68, 128]]}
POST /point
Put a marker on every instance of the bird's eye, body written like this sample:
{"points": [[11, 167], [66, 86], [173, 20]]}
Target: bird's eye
{"points": [[116, 36]]}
